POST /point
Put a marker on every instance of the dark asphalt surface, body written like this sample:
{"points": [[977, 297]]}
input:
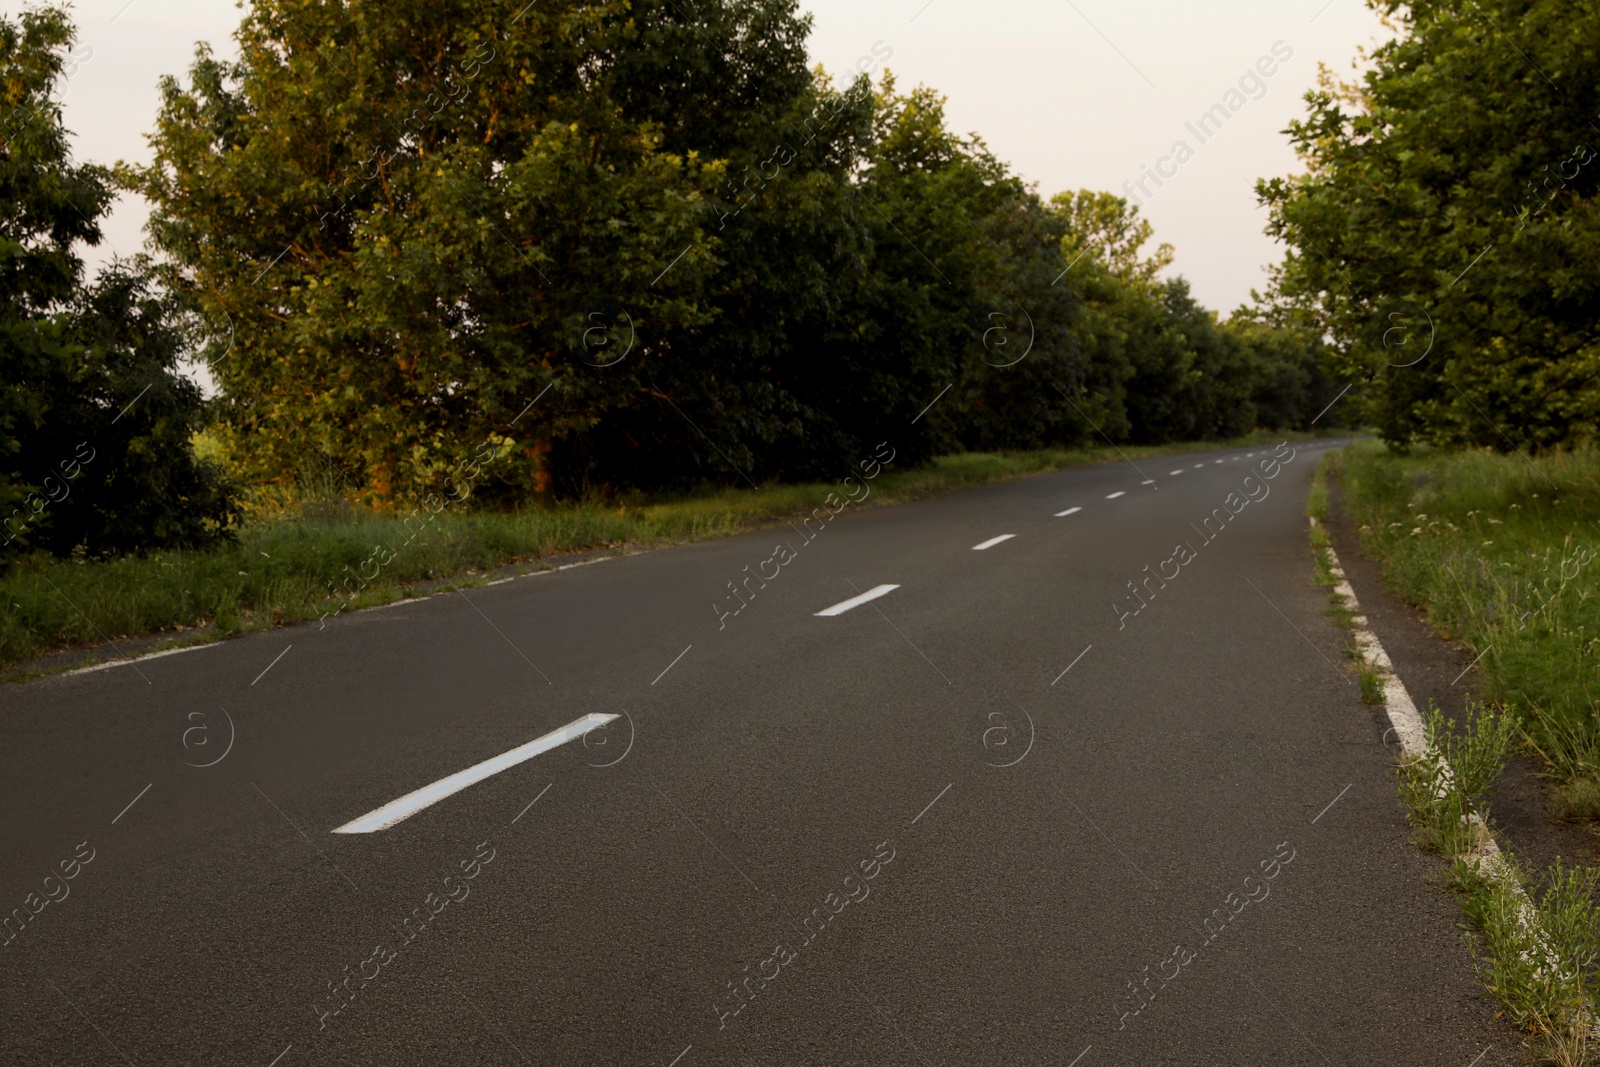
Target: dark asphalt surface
{"points": [[1060, 910]]}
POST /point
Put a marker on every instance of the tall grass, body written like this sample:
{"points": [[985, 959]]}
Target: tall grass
{"points": [[305, 539], [1504, 553]]}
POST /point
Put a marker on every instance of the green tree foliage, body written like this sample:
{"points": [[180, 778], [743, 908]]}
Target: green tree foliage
{"points": [[1109, 228], [1444, 230], [420, 219], [628, 244], [1183, 375], [95, 421]]}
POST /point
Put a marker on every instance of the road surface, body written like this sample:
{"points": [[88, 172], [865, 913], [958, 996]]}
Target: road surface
{"points": [[991, 815]]}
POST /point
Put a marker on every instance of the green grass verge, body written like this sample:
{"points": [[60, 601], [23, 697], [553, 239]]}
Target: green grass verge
{"points": [[279, 572], [1537, 951], [1505, 557]]}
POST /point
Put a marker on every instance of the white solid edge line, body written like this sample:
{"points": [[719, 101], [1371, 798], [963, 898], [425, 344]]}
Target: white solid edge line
{"points": [[856, 601], [992, 542], [1408, 727], [403, 808], [1119, 492], [137, 659], [1413, 735], [1401, 709], [355, 611], [392, 604], [1069, 511], [569, 566]]}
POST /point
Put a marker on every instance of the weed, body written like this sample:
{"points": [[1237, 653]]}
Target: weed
{"points": [[1445, 788], [1371, 685], [1539, 959]]}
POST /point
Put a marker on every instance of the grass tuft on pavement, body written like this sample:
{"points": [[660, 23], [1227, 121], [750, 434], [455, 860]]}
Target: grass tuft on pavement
{"points": [[1541, 961]]}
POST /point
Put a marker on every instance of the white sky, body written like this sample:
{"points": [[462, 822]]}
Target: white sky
{"points": [[1071, 93]]}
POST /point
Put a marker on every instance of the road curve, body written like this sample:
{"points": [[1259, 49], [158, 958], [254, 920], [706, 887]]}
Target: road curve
{"points": [[1062, 771]]}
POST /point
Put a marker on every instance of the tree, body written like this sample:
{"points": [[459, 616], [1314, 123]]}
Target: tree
{"points": [[95, 420], [1110, 229], [440, 225], [1442, 229]]}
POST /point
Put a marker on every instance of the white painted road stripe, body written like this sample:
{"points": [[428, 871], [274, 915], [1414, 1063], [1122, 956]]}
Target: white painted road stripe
{"points": [[140, 659], [1148, 481], [856, 601], [1197, 466], [398, 810], [1118, 493], [1069, 511], [1179, 471], [992, 542]]}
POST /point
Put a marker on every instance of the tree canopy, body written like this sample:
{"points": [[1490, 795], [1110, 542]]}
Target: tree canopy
{"points": [[572, 247], [95, 420], [1444, 231]]}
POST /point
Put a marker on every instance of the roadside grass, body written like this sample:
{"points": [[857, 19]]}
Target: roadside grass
{"points": [[1537, 951], [288, 563], [1541, 959], [1502, 555], [1446, 789]]}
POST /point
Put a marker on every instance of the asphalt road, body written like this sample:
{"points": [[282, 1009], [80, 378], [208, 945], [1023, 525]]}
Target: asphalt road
{"points": [[985, 818]]}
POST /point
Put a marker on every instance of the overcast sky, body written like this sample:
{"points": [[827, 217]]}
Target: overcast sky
{"points": [[1071, 93]]}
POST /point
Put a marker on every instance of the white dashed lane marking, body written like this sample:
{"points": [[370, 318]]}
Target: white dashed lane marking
{"points": [[992, 542], [1069, 511], [1118, 493], [398, 810], [856, 601]]}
